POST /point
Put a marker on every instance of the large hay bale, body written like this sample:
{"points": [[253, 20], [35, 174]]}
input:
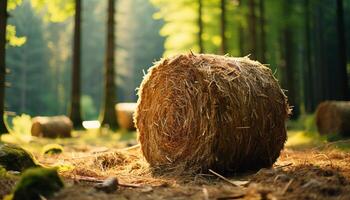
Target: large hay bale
{"points": [[333, 117], [200, 112], [52, 127], [125, 113]]}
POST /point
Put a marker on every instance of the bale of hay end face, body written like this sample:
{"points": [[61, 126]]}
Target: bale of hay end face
{"points": [[52, 127], [333, 117], [125, 113], [200, 112]]}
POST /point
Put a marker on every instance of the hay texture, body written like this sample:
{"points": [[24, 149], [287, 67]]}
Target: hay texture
{"points": [[125, 113], [333, 117], [52, 127], [203, 112]]}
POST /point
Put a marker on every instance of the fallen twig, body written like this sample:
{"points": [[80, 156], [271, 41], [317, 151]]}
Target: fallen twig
{"points": [[131, 148], [223, 178], [287, 186], [282, 166]]}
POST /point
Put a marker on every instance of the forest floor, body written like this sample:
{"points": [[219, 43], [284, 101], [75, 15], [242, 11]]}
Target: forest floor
{"points": [[308, 168]]}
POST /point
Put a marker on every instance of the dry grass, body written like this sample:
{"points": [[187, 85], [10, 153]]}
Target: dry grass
{"points": [[320, 172], [308, 174]]}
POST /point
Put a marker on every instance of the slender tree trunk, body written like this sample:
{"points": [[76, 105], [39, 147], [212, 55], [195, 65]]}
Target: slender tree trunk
{"points": [[308, 78], [200, 26], [75, 111], [289, 57], [3, 21], [344, 90], [252, 30], [108, 114], [318, 60], [223, 49], [262, 31], [241, 32], [323, 76]]}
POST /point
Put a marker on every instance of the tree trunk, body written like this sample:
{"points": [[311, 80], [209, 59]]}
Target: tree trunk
{"points": [[75, 112], [252, 30], [241, 32], [223, 49], [3, 19], [108, 115], [308, 78], [289, 60], [262, 32], [200, 26], [344, 90]]}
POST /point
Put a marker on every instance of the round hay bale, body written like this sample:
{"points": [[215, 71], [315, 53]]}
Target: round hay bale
{"points": [[52, 127], [200, 112], [333, 117], [125, 113]]}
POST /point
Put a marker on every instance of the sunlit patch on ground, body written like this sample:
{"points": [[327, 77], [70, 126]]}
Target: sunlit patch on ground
{"points": [[303, 139], [94, 124]]}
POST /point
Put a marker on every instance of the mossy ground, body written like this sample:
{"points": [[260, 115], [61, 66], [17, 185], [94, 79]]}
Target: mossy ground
{"points": [[37, 182], [308, 168], [15, 158]]}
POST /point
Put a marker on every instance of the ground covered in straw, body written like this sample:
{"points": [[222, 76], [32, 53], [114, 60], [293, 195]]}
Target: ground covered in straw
{"points": [[307, 169]]}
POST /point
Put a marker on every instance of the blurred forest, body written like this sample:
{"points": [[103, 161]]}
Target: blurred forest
{"points": [[40, 74], [303, 41]]}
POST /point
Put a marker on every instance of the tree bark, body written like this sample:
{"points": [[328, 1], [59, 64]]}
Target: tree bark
{"points": [[289, 57], [3, 21], [262, 32], [223, 48], [252, 29], [308, 78], [200, 26], [108, 115], [75, 107], [344, 90], [241, 31]]}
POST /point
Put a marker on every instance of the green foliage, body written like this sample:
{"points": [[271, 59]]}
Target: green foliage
{"points": [[38, 182], [180, 27], [21, 127], [15, 158], [55, 10], [12, 4], [11, 37], [22, 124], [51, 149]]}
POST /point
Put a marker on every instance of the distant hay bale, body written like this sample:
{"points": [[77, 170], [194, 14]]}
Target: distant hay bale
{"points": [[200, 112], [52, 127], [125, 113], [333, 117]]}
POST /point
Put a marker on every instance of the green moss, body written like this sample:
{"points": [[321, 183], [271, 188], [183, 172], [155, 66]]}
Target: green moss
{"points": [[2, 171], [52, 149], [15, 158], [37, 182]]}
